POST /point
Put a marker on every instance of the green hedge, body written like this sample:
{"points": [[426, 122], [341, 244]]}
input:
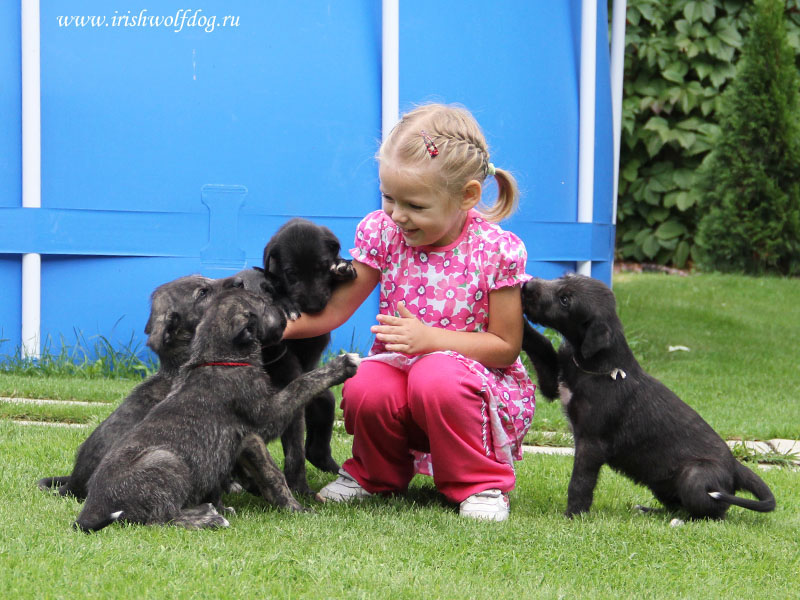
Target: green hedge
{"points": [[680, 56]]}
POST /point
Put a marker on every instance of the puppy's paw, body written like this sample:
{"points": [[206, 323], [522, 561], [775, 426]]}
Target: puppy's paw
{"points": [[216, 522], [300, 487], [677, 522], [319, 455], [289, 308], [572, 513], [341, 368], [55, 491], [351, 361], [53, 485], [204, 516], [299, 508], [235, 488], [343, 270]]}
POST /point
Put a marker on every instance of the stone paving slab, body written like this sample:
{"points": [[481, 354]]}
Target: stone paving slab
{"points": [[51, 424], [786, 446], [558, 450], [759, 447], [43, 401], [768, 447]]}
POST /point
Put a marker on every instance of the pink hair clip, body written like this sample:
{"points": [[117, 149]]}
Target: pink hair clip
{"points": [[432, 149]]}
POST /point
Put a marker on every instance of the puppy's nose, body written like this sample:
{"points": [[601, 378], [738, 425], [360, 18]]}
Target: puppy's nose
{"points": [[531, 290], [273, 327]]}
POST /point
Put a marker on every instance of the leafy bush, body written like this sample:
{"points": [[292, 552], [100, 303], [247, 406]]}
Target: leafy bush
{"points": [[680, 55], [751, 180]]}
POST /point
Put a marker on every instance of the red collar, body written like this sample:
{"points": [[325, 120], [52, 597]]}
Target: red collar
{"points": [[223, 364]]}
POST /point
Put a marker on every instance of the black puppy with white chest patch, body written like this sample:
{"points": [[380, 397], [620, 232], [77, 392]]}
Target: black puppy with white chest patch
{"points": [[623, 417]]}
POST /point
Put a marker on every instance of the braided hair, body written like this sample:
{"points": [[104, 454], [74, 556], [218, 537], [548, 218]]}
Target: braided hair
{"points": [[449, 138]]}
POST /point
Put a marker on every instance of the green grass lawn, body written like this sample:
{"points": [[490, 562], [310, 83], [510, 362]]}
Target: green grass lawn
{"points": [[412, 547], [741, 373]]}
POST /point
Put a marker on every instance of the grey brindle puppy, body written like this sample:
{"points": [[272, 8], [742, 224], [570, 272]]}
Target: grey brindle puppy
{"points": [[171, 467], [623, 417], [176, 308]]}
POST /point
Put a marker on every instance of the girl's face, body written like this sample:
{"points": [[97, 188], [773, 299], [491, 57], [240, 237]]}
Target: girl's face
{"points": [[426, 215]]}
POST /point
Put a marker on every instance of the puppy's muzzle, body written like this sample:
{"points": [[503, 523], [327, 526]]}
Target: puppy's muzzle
{"points": [[274, 323]]}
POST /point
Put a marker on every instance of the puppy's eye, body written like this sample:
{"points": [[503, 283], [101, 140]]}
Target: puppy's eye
{"points": [[202, 293], [564, 300]]}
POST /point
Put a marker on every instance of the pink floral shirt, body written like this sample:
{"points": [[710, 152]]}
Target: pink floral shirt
{"points": [[449, 287]]}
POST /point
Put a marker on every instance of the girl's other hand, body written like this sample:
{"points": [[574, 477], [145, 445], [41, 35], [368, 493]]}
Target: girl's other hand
{"points": [[405, 333]]}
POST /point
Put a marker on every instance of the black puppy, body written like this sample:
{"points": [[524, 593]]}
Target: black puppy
{"points": [[183, 451], [176, 308], [623, 417], [302, 267]]}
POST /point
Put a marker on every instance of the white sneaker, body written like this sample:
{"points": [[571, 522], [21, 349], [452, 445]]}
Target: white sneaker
{"points": [[491, 505], [343, 489]]}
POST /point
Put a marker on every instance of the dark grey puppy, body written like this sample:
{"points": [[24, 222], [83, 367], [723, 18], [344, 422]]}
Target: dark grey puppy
{"points": [[176, 308], [183, 451], [302, 267], [623, 417]]}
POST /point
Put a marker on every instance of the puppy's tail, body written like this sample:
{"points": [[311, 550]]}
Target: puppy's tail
{"points": [[51, 484], [89, 523], [749, 481]]}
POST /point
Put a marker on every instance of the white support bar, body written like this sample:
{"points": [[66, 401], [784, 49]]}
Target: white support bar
{"points": [[390, 71], [31, 305], [31, 172], [588, 84], [617, 77]]}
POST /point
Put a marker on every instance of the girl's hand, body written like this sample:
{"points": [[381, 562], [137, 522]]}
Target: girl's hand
{"points": [[405, 333]]}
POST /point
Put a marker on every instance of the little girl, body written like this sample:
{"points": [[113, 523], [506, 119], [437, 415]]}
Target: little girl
{"points": [[443, 391]]}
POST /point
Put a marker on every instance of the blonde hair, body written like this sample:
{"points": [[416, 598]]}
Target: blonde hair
{"points": [[458, 153]]}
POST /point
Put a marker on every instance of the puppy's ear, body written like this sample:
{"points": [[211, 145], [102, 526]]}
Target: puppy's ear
{"points": [[271, 259], [161, 329], [598, 337], [173, 324]]}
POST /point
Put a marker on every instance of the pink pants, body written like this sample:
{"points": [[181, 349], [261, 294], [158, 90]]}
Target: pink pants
{"points": [[436, 406]]}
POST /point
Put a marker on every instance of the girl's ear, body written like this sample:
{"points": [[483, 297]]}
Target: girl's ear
{"points": [[471, 194]]}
